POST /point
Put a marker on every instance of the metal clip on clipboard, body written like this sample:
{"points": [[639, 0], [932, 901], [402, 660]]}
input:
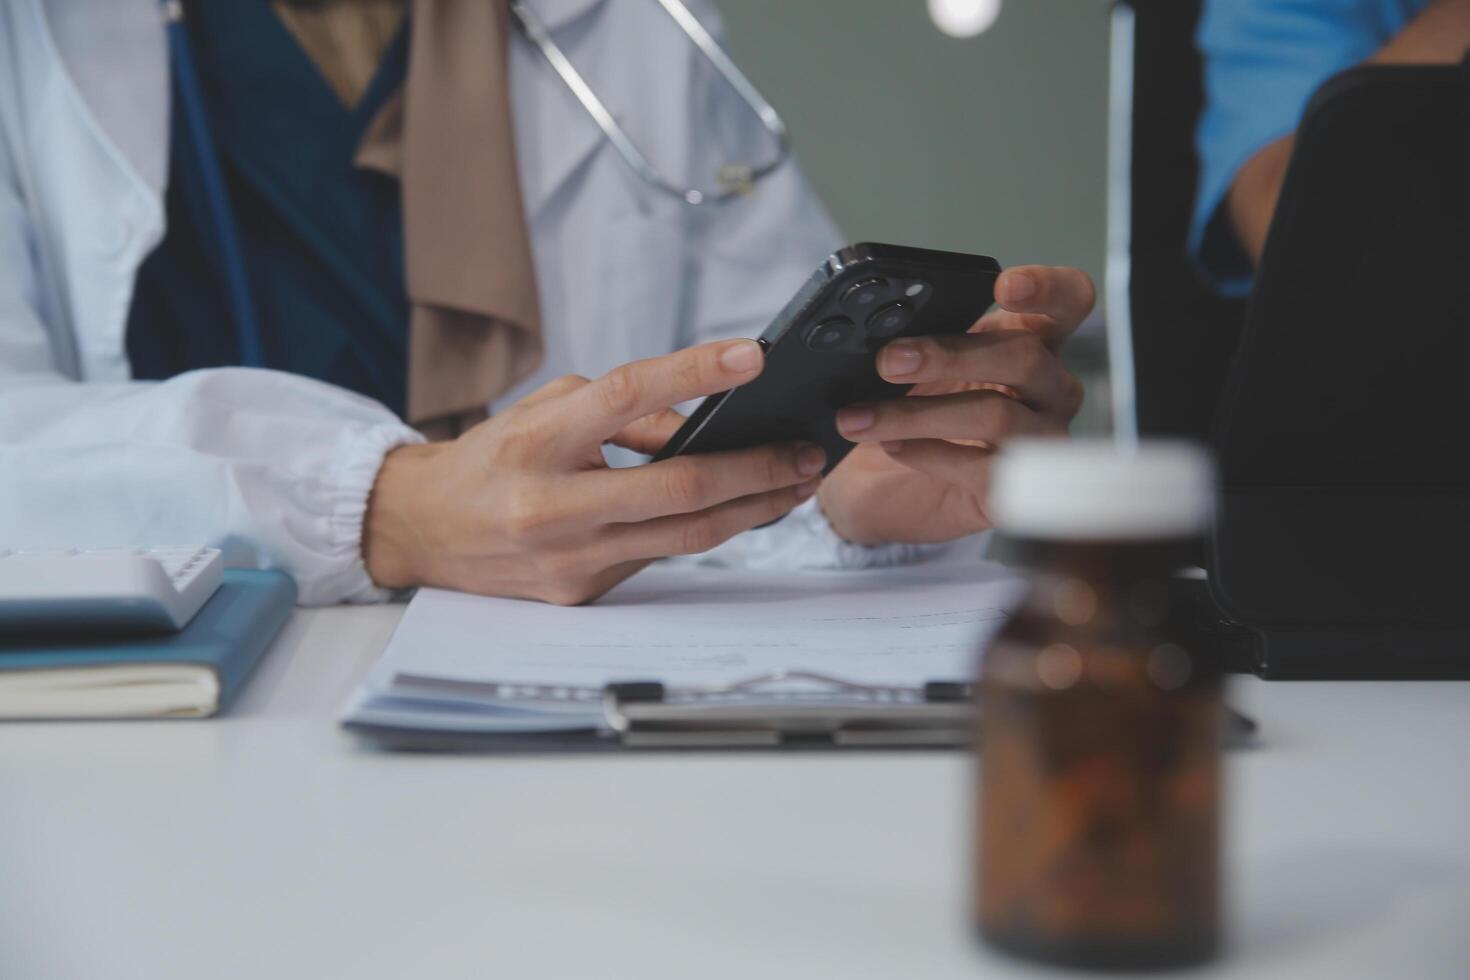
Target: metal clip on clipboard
{"points": [[768, 711]]}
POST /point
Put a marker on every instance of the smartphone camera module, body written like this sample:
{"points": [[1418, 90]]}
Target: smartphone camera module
{"points": [[830, 335], [890, 321], [863, 297]]}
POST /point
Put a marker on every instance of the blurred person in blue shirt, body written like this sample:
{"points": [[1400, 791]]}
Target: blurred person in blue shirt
{"points": [[1263, 59]]}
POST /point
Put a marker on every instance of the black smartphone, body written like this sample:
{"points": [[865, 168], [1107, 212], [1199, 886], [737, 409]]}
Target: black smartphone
{"points": [[821, 350]]}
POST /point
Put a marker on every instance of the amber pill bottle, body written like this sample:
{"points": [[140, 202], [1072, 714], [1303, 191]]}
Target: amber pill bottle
{"points": [[1098, 808]]}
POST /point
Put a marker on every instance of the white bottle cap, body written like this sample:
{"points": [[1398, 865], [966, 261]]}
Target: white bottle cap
{"points": [[1092, 490]]}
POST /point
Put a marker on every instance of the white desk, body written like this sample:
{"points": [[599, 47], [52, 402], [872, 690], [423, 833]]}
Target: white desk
{"points": [[268, 845]]}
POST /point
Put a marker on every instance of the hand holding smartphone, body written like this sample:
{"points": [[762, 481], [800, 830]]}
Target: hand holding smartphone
{"points": [[821, 350]]}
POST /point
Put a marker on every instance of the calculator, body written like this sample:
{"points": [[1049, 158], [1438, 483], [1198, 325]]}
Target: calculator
{"points": [[76, 590]]}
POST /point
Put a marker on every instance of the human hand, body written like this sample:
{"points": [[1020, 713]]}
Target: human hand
{"points": [[921, 470], [523, 505]]}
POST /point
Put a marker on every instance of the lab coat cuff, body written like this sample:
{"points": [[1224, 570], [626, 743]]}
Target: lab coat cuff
{"points": [[844, 554], [805, 541], [357, 472]]}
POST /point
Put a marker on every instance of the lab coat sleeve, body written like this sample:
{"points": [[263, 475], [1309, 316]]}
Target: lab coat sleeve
{"points": [[749, 256], [272, 468]]}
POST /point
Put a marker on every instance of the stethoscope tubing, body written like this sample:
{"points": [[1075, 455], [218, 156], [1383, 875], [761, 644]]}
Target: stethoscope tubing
{"points": [[736, 179], [216, 197]]}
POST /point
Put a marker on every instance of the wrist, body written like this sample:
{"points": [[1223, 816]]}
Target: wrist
{"points": [[393, 547], [841, 526]]}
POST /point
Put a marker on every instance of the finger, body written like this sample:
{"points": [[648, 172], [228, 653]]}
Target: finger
{"points": [[984, 416], [1065, 295], [688, 484], [552, 389], [962, 466], [1017, 359], [598, 410], [1062, 293], [649, 434], [1050, 331], [691, 534]]}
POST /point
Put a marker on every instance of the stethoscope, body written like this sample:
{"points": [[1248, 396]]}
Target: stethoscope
{"points": [[733, 179]]}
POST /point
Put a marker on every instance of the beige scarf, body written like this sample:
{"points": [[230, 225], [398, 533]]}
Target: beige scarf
{"points": [[448, 136]]}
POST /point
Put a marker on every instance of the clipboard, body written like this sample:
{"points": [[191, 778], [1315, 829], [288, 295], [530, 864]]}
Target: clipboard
{"points": [[761, 712], [774, 710], [684, 656]]}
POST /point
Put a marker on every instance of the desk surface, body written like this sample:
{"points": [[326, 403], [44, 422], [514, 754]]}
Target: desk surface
{"points": [[267, 844]]}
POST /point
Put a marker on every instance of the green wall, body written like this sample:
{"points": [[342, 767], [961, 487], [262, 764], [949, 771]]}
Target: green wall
{"points": [[994, 144]]}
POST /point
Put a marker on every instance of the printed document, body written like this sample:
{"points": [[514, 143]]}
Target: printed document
{"points": [[462, 662]]}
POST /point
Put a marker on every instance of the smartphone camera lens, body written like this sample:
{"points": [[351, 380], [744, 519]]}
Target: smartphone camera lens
{"points": [[830, 335], [890, 321], [862, 297]]}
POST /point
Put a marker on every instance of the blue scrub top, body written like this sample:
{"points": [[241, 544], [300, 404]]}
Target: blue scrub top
{"points": [[1263, 61], [322, 239]]}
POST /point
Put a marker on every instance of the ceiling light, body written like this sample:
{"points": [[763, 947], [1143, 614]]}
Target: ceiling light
{"points": [[963, 18]]}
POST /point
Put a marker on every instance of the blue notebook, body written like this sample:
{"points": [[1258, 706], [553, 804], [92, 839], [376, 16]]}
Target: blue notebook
{"points": [[193, 673]]}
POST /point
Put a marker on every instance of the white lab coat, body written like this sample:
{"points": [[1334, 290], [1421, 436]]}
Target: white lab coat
{"points": [[276, 468]]}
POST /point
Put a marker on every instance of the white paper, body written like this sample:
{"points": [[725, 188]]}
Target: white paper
{"points": [[687, 625]]}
